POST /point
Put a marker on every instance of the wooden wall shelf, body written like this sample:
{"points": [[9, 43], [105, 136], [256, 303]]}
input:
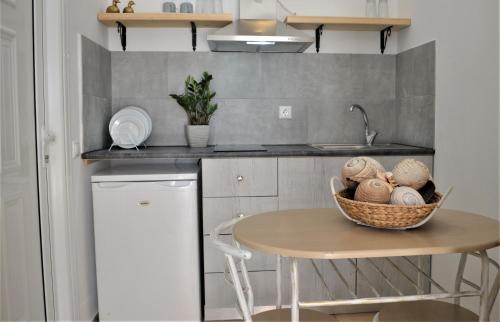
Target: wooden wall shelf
{"points": [[195, 20], [348, 23], [383, 25], [165, 20]]}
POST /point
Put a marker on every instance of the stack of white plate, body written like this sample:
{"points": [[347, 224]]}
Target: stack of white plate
{"points": [[130, 127]]}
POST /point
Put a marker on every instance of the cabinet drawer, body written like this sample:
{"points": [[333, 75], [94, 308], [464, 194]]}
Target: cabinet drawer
{"points": [[256, 177], [219, 210], [214, 258], [219, 294]]}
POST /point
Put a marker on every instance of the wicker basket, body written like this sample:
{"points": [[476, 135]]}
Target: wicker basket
{"points": [[385, 216]]}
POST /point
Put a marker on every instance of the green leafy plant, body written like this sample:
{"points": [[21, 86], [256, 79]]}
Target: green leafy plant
{"points": [[197, 100]]}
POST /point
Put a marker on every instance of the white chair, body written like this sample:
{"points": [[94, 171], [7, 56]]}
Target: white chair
{"points": [[234, 257]]}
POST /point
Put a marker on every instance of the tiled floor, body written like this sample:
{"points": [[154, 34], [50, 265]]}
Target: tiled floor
{"points": [[362, 317]]}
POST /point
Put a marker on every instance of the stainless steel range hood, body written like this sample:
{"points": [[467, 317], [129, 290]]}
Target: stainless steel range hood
{"points": [[259, 34]]}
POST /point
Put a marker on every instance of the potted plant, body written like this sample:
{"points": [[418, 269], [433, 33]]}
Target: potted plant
{"points": [[197, 102]]}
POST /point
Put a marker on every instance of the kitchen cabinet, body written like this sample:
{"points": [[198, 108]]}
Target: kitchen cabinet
{"points": [[233, 188], [218, 210], [304, 183], [424, 262], [220, 298], [254, 177], [214, 258], [282, 183]]}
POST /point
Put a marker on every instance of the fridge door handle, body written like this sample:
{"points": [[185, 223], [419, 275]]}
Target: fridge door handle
{"points": [[176, 184], [112, 185]]}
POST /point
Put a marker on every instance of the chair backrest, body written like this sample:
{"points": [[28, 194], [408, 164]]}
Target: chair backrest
{"points": [[234, 256]]}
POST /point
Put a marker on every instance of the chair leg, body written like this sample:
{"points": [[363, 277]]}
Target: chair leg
{"points": [[483, 300], [295, 290], [493, 293], [460, 276], [248, 287], [239, 291]]}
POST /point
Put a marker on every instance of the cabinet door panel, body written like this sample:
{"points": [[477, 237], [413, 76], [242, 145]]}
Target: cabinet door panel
{"points": [[214, 258], [219, 210], [256, 177], [219, 294], [311, 285], [396, 278], [305, 182]]}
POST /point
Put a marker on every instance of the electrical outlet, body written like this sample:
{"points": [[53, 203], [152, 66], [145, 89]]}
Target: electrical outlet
{"points": [[285, 113]]}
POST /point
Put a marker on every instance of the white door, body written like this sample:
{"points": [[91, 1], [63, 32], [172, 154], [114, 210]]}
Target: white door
{"points": [[21, 284]]}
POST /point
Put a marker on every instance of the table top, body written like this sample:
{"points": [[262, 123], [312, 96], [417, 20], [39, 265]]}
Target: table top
{"points": [[326, 234]]}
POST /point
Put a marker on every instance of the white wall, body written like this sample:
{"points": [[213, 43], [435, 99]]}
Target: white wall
{"points": [[162, 39], [80, 19], [467, 104]]}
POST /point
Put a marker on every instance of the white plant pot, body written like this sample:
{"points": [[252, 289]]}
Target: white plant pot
{"points": [[197, 135]]}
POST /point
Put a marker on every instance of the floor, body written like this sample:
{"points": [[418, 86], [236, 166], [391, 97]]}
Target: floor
{"points": [[360, 317]]}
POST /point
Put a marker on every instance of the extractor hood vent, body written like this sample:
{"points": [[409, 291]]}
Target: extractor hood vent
{"points": [[259, 35]]}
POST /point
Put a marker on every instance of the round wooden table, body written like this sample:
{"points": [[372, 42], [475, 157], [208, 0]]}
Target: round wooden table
{"points": [[326, 234]]}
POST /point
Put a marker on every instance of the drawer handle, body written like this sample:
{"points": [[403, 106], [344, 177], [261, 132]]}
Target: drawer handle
{"points": [[143, 203], [239, 178], [240, 215]]}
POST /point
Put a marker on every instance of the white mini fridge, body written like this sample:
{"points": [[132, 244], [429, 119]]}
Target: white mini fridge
{"points": [[147, 243]]}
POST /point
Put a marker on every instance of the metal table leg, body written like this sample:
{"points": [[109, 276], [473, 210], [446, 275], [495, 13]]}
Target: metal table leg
{"points": [[295, 290], [278, 283]]}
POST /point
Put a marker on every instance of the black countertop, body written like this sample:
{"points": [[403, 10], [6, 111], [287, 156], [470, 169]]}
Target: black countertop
{"points": [[300, 150]]}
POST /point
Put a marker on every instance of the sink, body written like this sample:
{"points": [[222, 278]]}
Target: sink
{"points": [[334, 147], [329, 147]]}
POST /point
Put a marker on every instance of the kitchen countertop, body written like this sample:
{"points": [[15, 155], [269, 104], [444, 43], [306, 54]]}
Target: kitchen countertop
{"points": [[299, 150]]}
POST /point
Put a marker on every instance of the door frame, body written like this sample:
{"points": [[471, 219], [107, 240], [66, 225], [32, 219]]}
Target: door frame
{"points": [[43, 209], [53, 158]]}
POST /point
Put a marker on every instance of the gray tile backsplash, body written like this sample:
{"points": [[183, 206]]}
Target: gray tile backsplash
{"points": [[331, 121], [415, 95], [415, 123], [139, 75], [167, 117], [96, 95], [255, 121], [251, 87]]}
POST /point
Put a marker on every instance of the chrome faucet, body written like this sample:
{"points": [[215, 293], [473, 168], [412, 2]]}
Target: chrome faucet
{"points": [[370, 135]]}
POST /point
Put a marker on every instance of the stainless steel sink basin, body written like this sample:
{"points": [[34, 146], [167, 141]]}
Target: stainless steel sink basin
{"points": [[333, 147], [329, 147]]}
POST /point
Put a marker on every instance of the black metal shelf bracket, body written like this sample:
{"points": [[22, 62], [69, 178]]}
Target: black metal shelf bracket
{"points": [[384, 37], [122, 31], [193, 35], [319, 33]]}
